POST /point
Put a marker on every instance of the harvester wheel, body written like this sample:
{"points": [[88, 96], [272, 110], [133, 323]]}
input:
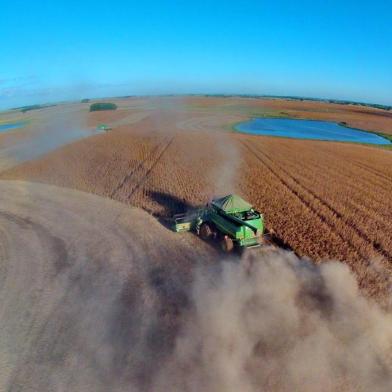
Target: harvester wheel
{"points": [[227, 244], [205, 231]]}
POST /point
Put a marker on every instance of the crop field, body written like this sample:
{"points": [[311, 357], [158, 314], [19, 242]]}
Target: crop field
{"points": [[324, 200]]}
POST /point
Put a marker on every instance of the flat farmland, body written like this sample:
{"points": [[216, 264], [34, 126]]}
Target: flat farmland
{"points": [[324, 200], [361, 117]]}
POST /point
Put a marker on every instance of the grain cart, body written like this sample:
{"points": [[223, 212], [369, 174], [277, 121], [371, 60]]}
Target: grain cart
{"points": [[230, 220]]}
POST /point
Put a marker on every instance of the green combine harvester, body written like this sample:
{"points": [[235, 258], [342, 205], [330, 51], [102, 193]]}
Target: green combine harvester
{"points": [[103, 127], [230, 220]]}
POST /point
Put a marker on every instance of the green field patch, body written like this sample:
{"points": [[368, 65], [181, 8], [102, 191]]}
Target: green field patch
{"points": [[99, 106]]}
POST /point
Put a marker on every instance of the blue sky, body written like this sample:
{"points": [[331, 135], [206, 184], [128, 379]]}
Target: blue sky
{"points": [[59, 50]]}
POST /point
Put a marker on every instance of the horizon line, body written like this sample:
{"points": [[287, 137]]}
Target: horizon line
{"points": [[224, 95]]}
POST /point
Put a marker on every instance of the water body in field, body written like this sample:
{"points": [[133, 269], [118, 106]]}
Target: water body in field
{"points": [[10, 126], [309, 129]]}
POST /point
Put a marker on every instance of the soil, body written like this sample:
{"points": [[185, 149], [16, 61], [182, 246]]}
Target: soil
{"points": [[72, 268]]}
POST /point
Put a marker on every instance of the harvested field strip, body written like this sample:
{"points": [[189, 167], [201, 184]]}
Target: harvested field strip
{"points": [[343, 224]]}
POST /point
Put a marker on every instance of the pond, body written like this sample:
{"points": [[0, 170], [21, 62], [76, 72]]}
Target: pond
{"points": [[10, 126], [309, 129]]}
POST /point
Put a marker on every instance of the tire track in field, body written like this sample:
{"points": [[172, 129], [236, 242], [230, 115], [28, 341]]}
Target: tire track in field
{"points": [[144, 176], [375, 172], [373, 207], [322, 218], [377, 247], [303, 201], [369, 181], [373, 180], [137, 172], [130, 175], [353, 184]]}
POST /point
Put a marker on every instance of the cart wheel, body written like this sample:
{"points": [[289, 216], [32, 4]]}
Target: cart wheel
{"points": [[227, 244], [205, 231]]}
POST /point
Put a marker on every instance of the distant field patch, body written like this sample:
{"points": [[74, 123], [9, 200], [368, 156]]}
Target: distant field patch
{"points": [[10, 126], [28, 108]]}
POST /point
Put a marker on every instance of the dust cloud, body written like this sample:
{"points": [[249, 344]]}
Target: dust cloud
{"points": [[266, 323], [224, 175], [278, 323], [45, 131]]}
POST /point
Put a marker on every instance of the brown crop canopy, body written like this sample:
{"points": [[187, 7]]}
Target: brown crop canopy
{"points": [[232, 204]]}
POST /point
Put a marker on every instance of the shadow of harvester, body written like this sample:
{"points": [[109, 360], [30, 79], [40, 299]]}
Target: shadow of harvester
{"points": [[171, 204], [174, 205]]}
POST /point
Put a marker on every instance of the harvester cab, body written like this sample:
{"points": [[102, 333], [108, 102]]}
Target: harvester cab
{"points": [[230, 220]]}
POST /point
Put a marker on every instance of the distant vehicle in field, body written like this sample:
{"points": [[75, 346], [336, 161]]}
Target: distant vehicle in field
{"points": [[103, 127], [230, 220]]}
